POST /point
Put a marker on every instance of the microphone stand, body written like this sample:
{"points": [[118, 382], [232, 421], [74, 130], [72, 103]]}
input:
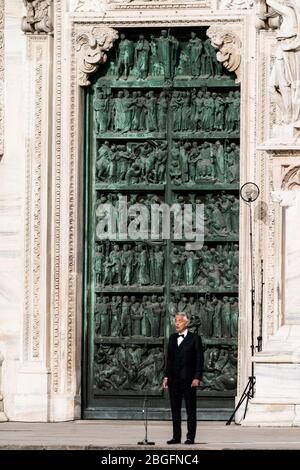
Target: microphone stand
{"points": [[145, 442], [259, 338], [248, 392]]}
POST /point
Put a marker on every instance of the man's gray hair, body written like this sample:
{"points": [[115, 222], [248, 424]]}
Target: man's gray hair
{"points": [[184, 315]]}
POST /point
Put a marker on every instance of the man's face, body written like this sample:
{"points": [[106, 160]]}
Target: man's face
{"points": [[180, 323]]}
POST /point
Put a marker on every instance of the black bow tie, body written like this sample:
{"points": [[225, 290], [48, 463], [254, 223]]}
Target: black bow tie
{"points": [[180, 336]]}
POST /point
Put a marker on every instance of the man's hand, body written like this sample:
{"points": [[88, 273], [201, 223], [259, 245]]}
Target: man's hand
{"points": [[195, 383], [165, 383]]}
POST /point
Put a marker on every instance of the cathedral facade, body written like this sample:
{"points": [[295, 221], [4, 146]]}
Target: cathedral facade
{"points": [[148, 104]]}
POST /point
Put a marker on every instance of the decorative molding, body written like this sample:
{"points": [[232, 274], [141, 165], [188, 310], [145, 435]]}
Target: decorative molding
{"points": [[271, 250], [37, 160], [235, 4], [156, 19], [33, 212], [91, 47], [283, 175], [73, 223], [78, 6], [229, 45], [159, 4], [263, 98], [267, 117], [39, 17], [56, 320], [36, 170], [2, 52]]}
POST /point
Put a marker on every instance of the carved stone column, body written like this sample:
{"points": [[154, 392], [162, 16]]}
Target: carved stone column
{"points": [[32, 397]]}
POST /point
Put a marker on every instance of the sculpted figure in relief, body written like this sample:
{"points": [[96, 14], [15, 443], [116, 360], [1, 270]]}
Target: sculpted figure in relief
{"points": [[285, 75], [228, 44]]}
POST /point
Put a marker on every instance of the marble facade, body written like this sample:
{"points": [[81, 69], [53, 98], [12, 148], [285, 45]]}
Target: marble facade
{"points": [[41, 133]]}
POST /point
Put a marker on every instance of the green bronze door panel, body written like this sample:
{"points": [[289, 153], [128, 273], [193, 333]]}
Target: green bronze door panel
{"points": [[162, 126]]}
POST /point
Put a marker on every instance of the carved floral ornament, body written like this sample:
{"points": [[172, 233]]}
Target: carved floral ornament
{"points": [[39, 16], [291, 178], [229, 45], [91, 48], [235, 4]]}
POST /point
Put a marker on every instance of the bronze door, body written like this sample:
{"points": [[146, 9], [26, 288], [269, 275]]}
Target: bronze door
{"points": [[162, 126]]}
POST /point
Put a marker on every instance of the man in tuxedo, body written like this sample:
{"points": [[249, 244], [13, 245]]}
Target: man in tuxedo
{"points": [[183, 374]]}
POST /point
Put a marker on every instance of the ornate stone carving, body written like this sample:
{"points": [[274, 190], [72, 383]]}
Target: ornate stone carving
{"points": [[104, 5], [235, 4], [284, 80], [284, 198], [88, 5], [39, 16], [35, 210], [56, 366], [1, 78], [91, 48], [267, 18], [271, 265], [229, 45], [291, 178]]}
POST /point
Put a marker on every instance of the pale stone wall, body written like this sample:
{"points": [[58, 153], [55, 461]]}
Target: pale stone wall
{"points": [[12, 191], [41, 200]]}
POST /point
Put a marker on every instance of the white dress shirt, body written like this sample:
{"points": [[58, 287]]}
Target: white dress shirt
{"points": [[180, 338]]}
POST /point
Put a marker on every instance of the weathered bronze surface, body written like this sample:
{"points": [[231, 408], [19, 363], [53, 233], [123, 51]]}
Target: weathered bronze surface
{"points": [[162, 127]]}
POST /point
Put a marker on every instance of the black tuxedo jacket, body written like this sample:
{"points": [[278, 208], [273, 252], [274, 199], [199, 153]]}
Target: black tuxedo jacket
{"points": [[184, 362]]}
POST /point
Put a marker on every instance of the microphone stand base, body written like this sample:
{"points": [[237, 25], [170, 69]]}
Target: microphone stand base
{"points": [[146, 443]]}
